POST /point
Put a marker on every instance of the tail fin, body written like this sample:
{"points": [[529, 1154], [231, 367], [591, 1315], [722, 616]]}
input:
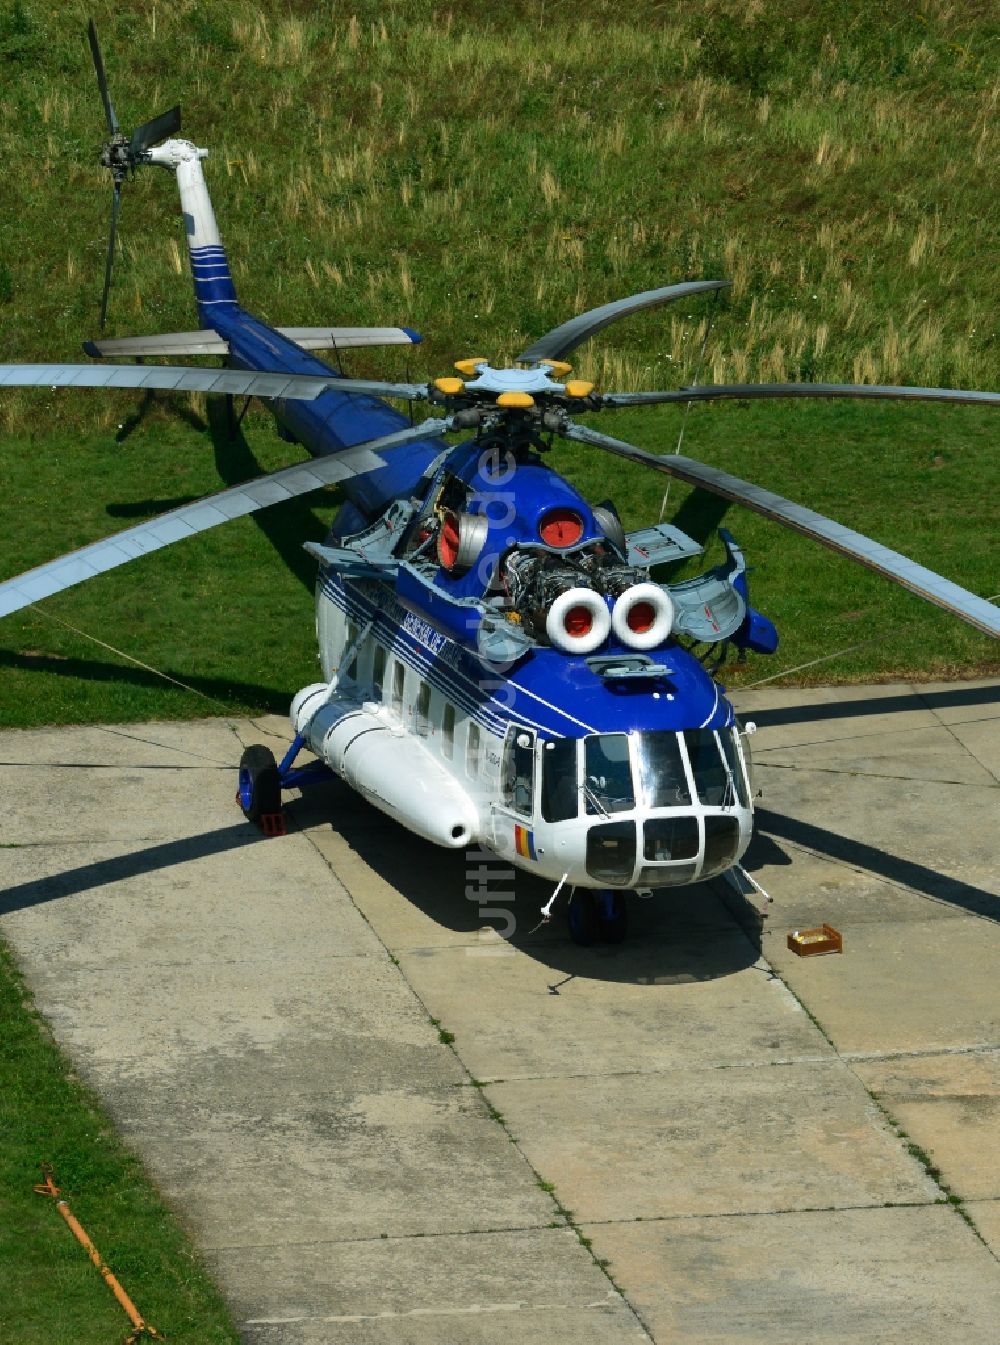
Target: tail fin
{"points": [[213, 283]]}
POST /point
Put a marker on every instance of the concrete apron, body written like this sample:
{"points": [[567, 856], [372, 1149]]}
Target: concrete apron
{"points": [[695, 1136]]}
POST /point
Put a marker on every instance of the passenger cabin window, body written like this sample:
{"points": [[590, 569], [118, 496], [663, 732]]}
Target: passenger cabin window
{"points": [[398, 673], [448, 730], [422, 710], [560, 783], [607, 774], [472, 751], [378, 671], [518, 779], [350, 670]]}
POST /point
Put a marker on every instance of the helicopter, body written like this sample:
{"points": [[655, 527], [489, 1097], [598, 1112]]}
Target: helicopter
{"points": [[499, 666]]}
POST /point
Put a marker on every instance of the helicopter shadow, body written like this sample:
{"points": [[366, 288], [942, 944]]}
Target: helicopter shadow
{"points": [[947, 698], [689, 934], [700, 515], [286, 526], [870, 858], [274, 700], [100, 873]]}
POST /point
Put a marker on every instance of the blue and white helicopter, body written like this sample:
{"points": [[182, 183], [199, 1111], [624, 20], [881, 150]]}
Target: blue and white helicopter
{"points": [[499, 666]]}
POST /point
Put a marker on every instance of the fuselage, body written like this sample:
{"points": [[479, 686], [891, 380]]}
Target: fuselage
{"points": [[548, 766]]}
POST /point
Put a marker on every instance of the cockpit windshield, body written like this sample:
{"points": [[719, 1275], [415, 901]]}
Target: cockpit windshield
{"points": [[607, 774], [712, 777], [663, 780], [649, 770]]}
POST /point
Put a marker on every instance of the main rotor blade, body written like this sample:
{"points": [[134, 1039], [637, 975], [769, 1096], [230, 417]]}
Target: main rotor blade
{"points": [[102, 80], [427, 429], [56, 575], [152, 132], [561, 340], [116, 200], [925, 583], [710, 392], [181, 378], [76, 567]]}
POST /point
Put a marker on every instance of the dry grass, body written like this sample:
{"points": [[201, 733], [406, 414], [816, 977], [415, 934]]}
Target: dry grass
{"points": [[545, 162]]}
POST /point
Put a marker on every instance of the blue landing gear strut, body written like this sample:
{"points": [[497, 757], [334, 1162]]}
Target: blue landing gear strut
{"points": [[262, 779], [597, 916]]}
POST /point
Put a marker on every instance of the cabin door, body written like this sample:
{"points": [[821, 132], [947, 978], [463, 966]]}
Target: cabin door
{"points": [[513, 815]]}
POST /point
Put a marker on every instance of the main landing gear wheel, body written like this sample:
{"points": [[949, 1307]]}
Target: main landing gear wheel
{"points": [[259, 793], [597, 917]]}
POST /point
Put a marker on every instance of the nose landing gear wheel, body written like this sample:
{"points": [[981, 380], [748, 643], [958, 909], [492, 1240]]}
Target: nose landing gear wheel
{"points": [[597, 917], [613, 915], [259, 792]]}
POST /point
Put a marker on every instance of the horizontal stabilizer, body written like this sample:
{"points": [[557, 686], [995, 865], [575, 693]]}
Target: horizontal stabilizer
{"points": [[345, 338], [207, 342]]}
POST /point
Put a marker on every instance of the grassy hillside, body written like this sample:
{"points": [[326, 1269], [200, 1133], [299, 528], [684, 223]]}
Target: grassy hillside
{"points": [[482, 176]]}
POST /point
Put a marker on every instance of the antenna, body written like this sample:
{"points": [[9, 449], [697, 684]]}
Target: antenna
{"points": [[687, 405]]}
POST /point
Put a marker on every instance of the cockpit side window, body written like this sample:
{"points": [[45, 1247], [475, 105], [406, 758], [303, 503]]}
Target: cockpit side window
{"points": [[711, 774], [560, 786], [727, 737], [607, 774], [519, 770], [662, 776], [741, 734]]}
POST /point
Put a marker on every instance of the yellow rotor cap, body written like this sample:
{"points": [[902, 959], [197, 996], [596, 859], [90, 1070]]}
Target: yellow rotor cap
{"points": [[577, 387], [449, 386], [519, 399], [468, 367], [558, 367]]}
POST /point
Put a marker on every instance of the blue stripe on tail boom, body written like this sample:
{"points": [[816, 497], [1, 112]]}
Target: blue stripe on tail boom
{"points": [[213, 283]]}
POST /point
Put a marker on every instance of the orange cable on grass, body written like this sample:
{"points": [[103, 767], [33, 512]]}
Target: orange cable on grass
{"points": [[142, 1328]]}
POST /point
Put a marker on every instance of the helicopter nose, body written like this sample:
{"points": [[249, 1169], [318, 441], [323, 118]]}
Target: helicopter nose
{"points": [[662, 848]]}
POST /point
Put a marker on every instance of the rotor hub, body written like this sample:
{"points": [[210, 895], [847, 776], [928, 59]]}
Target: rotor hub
{"points": [[116, 155], [515, 402]]}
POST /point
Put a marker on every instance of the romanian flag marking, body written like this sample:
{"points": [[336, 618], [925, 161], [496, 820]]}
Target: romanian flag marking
{"points": [[524, 842]]}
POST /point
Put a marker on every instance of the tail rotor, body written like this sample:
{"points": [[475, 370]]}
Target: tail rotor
{"points": [[122, 154]]}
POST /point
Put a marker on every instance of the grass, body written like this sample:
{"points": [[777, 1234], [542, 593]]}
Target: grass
{"points": [[482, 179], [490, 176], [51, 1290]]}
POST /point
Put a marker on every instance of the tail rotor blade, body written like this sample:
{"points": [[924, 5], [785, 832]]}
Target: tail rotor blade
{"points": [[116, 201], [152, 132], [102, 80]]}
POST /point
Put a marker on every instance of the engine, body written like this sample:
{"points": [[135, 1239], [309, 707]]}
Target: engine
{"points": [[533, 580], [563, 600]]}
